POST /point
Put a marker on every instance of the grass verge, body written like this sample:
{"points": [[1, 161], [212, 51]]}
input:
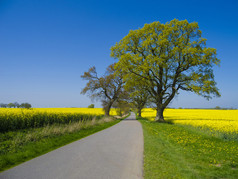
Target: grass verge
{"points": [[177, 151], [20, 146]]}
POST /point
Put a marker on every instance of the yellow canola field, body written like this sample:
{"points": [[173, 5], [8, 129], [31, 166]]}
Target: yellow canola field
{"points": [[14, 119], [96, 111], [218, 120]]}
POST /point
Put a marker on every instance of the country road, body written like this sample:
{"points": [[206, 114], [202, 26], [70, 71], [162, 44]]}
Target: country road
{"points": [[114, 153]]}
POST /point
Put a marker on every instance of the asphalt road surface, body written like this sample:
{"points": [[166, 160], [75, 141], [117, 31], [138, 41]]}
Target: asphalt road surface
{"points": [[114, 153]]}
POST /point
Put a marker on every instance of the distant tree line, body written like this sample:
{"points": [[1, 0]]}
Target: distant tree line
{"points": [[15, 105]]}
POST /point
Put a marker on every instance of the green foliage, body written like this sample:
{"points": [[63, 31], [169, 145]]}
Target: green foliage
{"points": [[140, 98], [167, 58], [10, 105], [15, 105], [25, 105], [91, 106], [122, 107]]}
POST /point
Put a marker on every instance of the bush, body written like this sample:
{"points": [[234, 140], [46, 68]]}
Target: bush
{"points": [[91, 106]]}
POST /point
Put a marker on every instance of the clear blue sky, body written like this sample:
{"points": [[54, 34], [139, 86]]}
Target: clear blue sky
{"points": [[46, 45]]}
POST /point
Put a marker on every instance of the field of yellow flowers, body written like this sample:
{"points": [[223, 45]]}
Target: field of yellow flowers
{"points": [[13, 119], [217, 120], [201, 143]]}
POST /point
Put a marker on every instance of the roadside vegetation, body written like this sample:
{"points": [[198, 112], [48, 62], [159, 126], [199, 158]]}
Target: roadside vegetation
{"points": [[176, 149], [20, 145]]}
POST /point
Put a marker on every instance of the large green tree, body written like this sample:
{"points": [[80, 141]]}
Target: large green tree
{"points": [[168, 58]]}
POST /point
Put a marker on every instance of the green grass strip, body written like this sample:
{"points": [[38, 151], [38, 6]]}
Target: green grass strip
{"points": [[176, 151]]}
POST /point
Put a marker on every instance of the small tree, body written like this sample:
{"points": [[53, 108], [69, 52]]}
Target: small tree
{"points": [[140, 100], [10, 105], [91, 106], [122, 105], [25, 105], [107, 88], [139, 95], [217, 107], [168, 57]]}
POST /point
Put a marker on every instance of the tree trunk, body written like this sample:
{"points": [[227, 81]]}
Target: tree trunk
{"points": [[160, 115], [107, 109], [139, 112]]}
